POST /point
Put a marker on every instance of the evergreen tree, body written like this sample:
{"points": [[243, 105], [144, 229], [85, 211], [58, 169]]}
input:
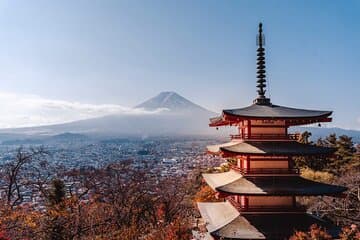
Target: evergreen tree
{"points": [[331, 140], [305, 138], [345, 157], [56, 220], [57, 192], [356, 161], [345, 153]]}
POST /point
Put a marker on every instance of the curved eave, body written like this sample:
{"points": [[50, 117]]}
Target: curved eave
{"points": [[268, 148], [215, 180], [220, 215], [225, 222], [216, 149], [230, 116], [280, 186], [271, 226]]}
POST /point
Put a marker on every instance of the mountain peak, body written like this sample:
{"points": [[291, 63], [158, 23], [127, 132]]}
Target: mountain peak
{"points": [[170, 100]]}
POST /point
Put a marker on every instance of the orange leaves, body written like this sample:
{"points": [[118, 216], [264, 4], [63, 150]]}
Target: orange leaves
{"points": [[3, 236], [350, 233], [317, 233], [176, 230], [206, 194]]}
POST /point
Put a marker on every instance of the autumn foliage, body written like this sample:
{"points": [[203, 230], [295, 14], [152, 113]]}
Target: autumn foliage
{"points": [[318, 233], [114, 202]]}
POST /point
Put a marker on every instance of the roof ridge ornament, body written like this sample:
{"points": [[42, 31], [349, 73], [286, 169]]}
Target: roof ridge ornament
{"points": [[261, 80]]}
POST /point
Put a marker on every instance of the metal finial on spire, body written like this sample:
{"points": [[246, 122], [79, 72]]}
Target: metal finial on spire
{"points": [[261, 81]]}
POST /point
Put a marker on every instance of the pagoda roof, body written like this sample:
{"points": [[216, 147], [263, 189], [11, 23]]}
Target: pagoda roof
{"points": [[271, 111], [219, 215], [224, 221], [215, 180], [235, 183], [275, 111], [272, 226], [250, 147]]}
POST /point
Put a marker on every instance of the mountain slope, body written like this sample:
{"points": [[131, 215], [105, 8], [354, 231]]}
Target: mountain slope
{"points": [[171, 101], [178, 117], [181, 117]]}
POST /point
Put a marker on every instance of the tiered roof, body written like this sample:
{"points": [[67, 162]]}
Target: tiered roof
{"points": [[293, 116], [225, 222], [233, 182], [278, 148]]}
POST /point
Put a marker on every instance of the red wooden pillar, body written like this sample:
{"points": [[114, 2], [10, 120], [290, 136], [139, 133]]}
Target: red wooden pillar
{"points": [[249, 128], [246, 202], [290, 163], [294, 201]]}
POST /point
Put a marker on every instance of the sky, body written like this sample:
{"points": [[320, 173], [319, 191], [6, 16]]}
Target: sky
{"points": [[68, 60]]}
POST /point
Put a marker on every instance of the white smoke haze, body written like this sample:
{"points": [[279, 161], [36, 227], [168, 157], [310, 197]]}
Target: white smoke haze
{"points": [[22, 110]]}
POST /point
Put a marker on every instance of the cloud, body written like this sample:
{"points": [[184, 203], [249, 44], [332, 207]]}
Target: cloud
{"points": [[21, 110]]}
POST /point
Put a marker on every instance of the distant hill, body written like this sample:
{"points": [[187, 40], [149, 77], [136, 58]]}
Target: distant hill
{"points": [[40, 139], [322, 132]]}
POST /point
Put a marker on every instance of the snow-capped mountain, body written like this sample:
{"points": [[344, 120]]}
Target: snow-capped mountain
{"points": [[166, 114]]}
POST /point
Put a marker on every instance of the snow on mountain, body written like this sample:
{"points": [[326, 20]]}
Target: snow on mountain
{"points": [[178, 116], [171, 101]]}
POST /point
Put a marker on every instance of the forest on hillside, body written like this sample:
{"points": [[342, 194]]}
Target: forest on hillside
{"points": [[120, 202]]}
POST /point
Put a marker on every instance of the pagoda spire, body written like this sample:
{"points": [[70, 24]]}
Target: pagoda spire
{"points": [[261, 80]]}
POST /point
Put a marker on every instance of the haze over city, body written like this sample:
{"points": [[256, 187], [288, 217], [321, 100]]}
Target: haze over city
{"points": [[65, 61]]}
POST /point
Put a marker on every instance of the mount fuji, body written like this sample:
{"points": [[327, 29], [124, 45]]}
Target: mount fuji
{"points": [[173, 102], [166, 114]]}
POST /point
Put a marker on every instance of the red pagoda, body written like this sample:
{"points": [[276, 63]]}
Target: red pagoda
{"points": [[262, 185]]}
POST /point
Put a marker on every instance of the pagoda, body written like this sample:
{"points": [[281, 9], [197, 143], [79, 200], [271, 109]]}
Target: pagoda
{"points": [[261, 187]]}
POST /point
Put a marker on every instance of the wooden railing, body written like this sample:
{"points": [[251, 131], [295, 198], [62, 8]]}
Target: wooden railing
{"points": [[262, 136], [274, 208], [266, 170]]}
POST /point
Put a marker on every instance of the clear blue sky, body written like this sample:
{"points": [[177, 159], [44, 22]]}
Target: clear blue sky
{"points": [[123, 52]]}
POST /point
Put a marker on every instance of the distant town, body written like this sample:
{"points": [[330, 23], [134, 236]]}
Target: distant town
{"points": [[162, 156]]}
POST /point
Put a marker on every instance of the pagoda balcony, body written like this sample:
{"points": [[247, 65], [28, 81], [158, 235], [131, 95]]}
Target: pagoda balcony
{"points": [[265, 136], [263, 209], [270, 171]]}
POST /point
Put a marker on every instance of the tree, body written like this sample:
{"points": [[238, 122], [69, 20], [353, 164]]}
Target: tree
{"points": [[345, 152], [57, 192], [114, 202], [344, 157], [343, 210], [350, 233], [305, 137], [315, 233], [13, 174], [206, 194]]}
